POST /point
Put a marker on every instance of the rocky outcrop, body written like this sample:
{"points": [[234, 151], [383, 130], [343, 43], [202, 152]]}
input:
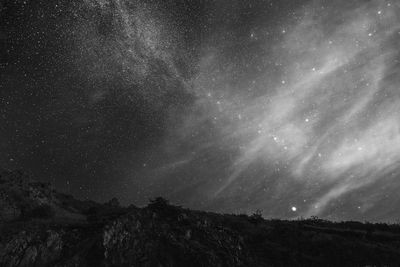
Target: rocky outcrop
{"points": [[148, 239], [32, 249], [92, 234]]}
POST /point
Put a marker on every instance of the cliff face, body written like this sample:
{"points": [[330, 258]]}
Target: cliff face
{"points": [[40, 227]]}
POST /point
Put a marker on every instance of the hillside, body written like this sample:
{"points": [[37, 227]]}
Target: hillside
{"points": [[41, 227]]}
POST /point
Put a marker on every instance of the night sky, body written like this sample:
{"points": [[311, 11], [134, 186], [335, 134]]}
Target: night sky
{"points": [[289, 107]]}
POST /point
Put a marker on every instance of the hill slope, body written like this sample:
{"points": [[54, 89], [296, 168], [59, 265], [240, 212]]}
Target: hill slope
{"points": [[40, 227]]}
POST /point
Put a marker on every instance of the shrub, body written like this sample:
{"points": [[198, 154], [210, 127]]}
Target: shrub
{"points": [[158, 202], [256, 216]]}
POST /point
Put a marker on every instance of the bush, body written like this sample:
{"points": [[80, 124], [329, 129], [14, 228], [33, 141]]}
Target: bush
{"points": [[158, 202], [257, 217]]}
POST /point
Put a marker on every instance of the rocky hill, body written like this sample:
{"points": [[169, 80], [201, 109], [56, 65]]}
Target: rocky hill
{"points": [[40, 227]]}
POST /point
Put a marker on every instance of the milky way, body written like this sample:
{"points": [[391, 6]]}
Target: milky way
{"points": [[289, 107]]}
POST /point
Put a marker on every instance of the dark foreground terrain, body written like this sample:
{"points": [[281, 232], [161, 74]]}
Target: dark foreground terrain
{"points": [[40, 227]]}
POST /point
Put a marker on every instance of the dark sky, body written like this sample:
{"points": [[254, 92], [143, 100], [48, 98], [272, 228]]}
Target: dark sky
{"points": [[290, 107]]}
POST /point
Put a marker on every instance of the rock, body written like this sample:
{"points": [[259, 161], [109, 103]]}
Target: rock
{"points": [[166, 235], [29, 257]]}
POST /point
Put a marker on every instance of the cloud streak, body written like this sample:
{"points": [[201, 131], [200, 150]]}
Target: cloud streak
{"points": [[331, 118]]}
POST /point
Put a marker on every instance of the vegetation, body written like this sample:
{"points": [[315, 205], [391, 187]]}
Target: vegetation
{"points": [[70, 232]]}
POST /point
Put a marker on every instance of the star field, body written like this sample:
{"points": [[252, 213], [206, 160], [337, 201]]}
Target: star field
{"points": [[289, 107]]}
